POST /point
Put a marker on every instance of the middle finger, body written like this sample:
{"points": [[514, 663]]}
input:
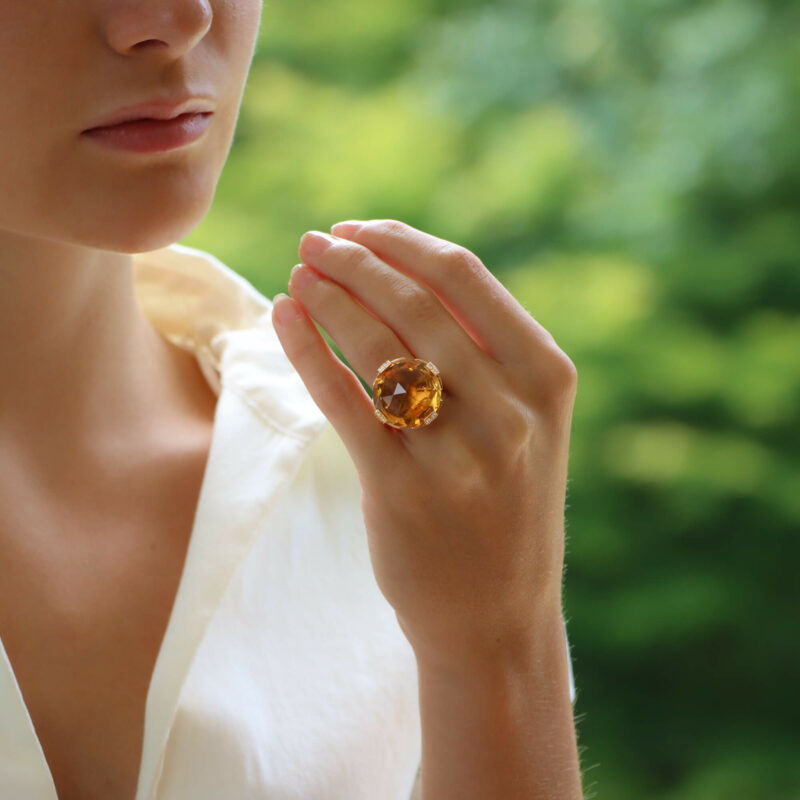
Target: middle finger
{"points": [[413, 313]]}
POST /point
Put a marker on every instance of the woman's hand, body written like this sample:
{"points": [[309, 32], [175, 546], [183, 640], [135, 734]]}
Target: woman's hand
{"points": [[465, 517]]}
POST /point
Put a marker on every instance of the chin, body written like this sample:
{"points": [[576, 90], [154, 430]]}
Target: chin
{"points": [[144, 241], [152, 228]]}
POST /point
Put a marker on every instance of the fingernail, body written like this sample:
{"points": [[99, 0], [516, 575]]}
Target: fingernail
{"points": [[285, 312], [346, 228], [302, 276], [315, 242]]}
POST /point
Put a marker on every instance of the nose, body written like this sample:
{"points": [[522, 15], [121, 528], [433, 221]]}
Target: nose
{"points": [[168, 27]]}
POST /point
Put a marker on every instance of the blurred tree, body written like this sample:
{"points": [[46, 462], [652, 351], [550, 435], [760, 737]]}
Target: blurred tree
{"points": [[631, 173]]}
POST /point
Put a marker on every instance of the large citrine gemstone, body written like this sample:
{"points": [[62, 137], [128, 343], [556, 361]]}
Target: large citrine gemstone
{"points": [[407, 393]]}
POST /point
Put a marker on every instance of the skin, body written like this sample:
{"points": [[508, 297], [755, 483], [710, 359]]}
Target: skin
{"points": [[472, 568], [483, 542], [464, 517], [104, 425]]}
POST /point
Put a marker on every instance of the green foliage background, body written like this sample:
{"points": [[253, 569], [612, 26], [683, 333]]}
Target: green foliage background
{"points": [[630, 171]]}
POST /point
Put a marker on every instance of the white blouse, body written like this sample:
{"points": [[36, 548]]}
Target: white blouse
{"points": [[283, 673]]}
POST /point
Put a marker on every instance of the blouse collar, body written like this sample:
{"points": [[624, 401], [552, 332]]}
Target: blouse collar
{"points": [[201, 304]]}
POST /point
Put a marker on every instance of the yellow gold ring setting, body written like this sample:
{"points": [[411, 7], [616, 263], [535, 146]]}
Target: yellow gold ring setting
{"points": [[407, 393]]}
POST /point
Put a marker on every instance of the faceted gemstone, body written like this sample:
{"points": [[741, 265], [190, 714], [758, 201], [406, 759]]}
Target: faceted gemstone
{"points": [[407, 393]]}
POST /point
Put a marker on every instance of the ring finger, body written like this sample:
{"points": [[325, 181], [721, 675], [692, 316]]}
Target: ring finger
{"points": [[364, 340]]}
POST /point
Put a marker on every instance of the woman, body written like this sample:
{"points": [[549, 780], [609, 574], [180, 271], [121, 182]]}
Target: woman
{"points": [[220, 574]]}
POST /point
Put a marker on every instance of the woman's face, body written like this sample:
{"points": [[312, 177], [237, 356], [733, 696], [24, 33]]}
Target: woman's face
{"points": [[67, 63]]}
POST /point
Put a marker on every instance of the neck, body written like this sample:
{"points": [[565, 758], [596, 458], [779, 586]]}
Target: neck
{"points": [[80, 362]]}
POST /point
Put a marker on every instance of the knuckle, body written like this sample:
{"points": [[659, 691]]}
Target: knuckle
{"points": [[394, 226], [305, 352], [558, 382], [359, 253], [336, 397], [461, 263], [339, 390], [566, 373], [418, 303], [512, 422]]}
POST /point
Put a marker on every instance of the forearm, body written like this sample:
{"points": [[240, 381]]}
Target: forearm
{"points": [[504, 729]]}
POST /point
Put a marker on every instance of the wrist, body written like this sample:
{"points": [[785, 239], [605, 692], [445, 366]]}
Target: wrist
{"points": [[534, 645]]}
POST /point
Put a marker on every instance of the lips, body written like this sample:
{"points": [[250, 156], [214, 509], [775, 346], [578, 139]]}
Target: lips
{"points": [[155, 110], [151, 135], [145, 123]]}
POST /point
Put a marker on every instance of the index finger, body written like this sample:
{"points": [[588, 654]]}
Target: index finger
{"points": [[477, 299]]}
